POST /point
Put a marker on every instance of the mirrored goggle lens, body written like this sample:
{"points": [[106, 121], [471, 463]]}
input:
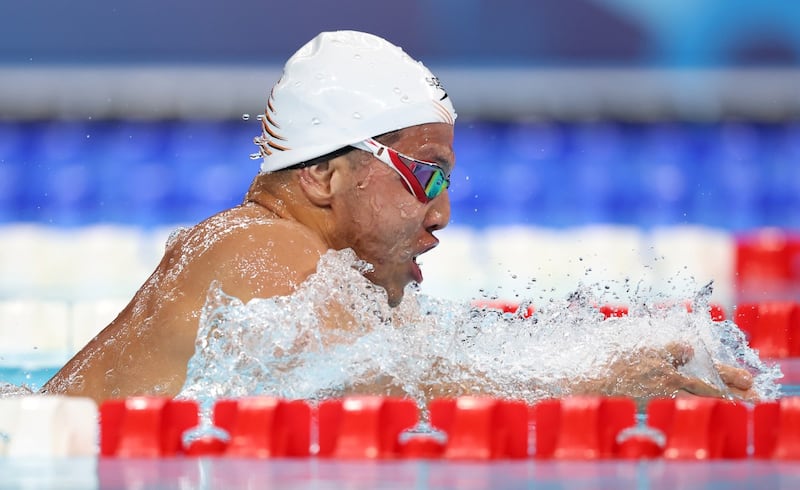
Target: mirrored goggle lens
{"points": [[437, 183], [430, 177]]}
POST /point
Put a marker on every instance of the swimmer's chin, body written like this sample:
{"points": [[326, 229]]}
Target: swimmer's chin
{"points": [[394, 298]]}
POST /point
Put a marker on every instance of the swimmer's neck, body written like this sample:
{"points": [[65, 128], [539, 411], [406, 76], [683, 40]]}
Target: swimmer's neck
{"points": [[275, 199], [271, 205], [280, 197], [286, 203]]}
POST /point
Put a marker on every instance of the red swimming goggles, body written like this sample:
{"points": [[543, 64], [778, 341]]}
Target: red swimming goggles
{"points": [[425, 180]]}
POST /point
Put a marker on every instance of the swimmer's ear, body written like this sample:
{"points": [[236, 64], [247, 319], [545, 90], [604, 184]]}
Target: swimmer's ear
{"points": [[315, 181], [322, 181]]}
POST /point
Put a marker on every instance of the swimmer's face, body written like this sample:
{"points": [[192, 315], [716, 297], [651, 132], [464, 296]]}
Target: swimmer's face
{"points": [[382, 221]]}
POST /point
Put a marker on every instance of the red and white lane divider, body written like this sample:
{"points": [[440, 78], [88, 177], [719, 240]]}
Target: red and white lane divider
{"points": [[368, 427]]}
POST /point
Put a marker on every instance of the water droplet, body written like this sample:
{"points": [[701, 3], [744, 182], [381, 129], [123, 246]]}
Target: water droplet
{"points": [[88, 136], [320, 76], [357, 115], [297, 83], [260, 117], [356, 56], [315, 121], [396, 90], [404, 99], [255, 156], [245, 117]]}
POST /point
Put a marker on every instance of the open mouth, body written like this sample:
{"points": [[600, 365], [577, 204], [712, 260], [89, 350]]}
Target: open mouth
{"points": [[416, 272]]}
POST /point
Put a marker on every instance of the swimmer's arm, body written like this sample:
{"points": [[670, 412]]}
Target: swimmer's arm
{"points": [[653, 373], [643, 376]]}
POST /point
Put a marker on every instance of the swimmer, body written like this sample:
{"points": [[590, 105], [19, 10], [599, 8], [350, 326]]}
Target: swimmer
{"points": [[357, 151]]}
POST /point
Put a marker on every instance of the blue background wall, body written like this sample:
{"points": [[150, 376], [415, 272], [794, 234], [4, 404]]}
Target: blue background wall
{"points": [[544, 32]]}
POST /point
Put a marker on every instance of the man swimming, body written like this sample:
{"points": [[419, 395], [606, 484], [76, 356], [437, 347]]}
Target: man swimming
{"points": [[357, 148]]}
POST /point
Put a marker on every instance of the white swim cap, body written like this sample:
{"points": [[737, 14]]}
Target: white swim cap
{"points": [[341, 88]]}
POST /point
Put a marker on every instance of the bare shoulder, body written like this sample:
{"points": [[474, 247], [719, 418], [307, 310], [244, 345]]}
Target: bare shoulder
{"points": [[250, 255]]}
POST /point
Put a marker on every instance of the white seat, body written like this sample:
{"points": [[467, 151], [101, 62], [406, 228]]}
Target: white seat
{"points": [[454, 270], [22, 248], [536, 263], [107, 261], [34, 328], [89, 317], [74, 264], [609, 256], [691, 256]]}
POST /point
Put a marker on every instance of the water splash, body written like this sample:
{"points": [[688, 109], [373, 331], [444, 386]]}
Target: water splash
{"points": [[309, 346], [8, 390]]}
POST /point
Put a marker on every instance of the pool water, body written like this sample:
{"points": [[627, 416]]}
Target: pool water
{"points": [[33, 378], [88, 473]]}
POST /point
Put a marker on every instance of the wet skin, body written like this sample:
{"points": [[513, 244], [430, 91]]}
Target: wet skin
{"points": [[263, 248]]}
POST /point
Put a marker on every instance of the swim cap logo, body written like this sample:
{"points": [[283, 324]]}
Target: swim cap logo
{"points": [[435, 83]]}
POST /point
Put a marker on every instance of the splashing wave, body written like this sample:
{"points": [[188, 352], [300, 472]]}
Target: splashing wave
{"points": [[307, 345]]}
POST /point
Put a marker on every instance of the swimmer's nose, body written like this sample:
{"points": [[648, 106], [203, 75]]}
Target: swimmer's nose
{"points": [[438, 214]]}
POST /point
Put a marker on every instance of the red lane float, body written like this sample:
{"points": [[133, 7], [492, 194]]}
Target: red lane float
{"points": [[503, 306], [145, 427], [776, 430], [700, 428], [482, 427], [716, 311], [264, 427], [773, 328], [470, 428], [581, 427], [365, 427]]}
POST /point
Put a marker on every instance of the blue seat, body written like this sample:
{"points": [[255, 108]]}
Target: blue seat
{"points": [[731, 176], [58, 173], [666, 169], [211, 167], [13, 150], [731, 179], [780, 196]]}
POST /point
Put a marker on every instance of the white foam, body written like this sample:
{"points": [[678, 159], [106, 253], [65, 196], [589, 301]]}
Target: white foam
{"points": [[302, 346]]}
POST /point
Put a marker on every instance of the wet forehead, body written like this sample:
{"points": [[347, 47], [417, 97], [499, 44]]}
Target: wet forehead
{"points": [[429, 142]]}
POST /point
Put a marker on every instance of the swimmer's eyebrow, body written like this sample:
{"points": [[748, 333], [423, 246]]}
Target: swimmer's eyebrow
{"points": [[435, 155]]}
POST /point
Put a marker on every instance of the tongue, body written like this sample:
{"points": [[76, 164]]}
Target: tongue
{"points": [[415, 270]]}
